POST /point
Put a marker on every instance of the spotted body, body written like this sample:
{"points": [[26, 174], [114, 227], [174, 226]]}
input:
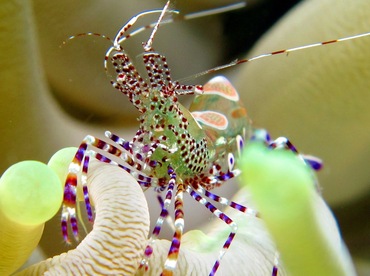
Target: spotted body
{"points": [[175, 150], [167, 129]]}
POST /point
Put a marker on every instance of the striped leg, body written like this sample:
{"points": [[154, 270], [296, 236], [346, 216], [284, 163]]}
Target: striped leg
{"points": [[147, 150], [173, 254], [118, 140], [69, 200], [226, 202], [219, 176], [86, 150], [221, 216], [158, 226], [284, 143]]}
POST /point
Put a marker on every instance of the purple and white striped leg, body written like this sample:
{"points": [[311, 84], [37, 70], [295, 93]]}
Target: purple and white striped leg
{"points": [[158, 226], [173, 254], [86, 150], [218, 213], [284, 143]]}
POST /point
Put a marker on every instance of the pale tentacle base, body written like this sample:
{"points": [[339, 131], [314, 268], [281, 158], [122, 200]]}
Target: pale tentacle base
{"points": [[120, 229], [123, 227], [117, 242]]}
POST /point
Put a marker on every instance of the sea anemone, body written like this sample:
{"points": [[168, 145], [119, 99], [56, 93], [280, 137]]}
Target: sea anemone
{"points": [[33, 125]]}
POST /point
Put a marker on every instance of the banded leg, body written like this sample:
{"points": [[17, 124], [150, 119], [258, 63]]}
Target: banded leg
{"points": [[158, 226], [148, 150], [118, 140], [70, 191], [141, 158], [215, 177], [226, 202], [283, 142], [82, 159], [222, 216], [173, 254]]}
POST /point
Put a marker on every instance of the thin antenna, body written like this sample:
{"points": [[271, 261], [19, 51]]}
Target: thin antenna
{"points": [[188, 16], [285, 51], [121, 36], [148, 44], [223, 9]]}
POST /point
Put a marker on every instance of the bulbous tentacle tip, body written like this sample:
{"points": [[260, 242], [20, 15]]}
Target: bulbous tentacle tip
{"points": [[30, 194], [120, 228], [284, 191]]}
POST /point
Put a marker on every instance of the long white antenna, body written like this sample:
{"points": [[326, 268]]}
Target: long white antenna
{"points": [[284, 51]]}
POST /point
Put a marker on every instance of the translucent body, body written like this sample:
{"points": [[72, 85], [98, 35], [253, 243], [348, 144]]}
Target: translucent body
{"points": [[175, 150]]}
